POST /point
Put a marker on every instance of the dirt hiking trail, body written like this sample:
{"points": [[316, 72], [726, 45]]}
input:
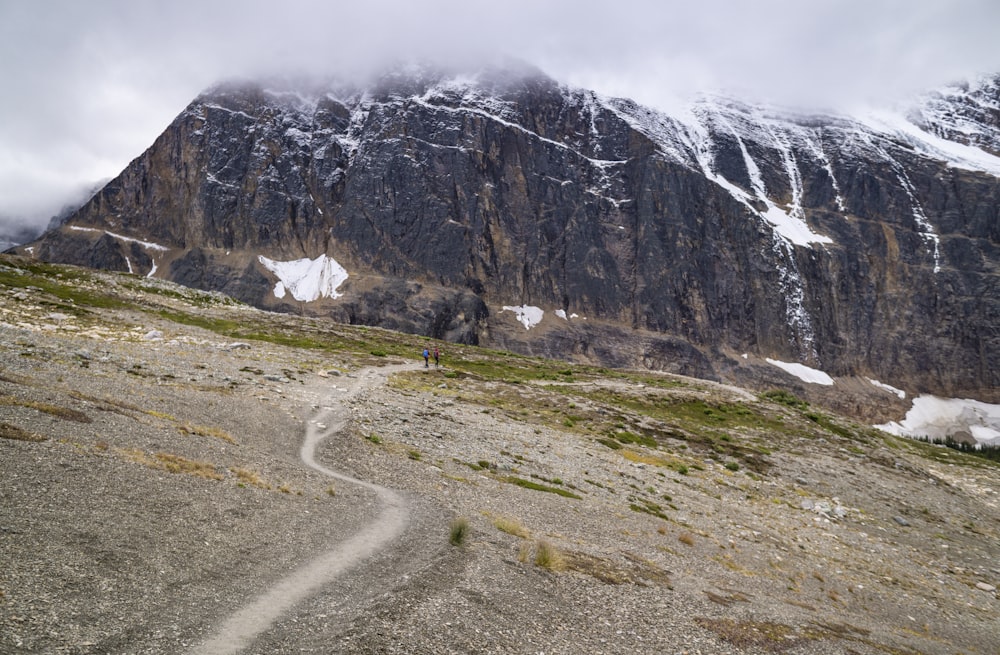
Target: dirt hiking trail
{"points": [[241, 629]]}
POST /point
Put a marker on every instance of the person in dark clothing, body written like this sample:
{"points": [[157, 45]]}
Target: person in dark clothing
{"points": [[437, 356]]}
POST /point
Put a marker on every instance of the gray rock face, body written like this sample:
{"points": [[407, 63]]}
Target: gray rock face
{"points": [[856, 247]]}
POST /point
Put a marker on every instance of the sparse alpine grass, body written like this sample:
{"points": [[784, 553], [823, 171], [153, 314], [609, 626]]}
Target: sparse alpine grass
{"points": [[511, 526], [528, 484], [548, 557], [171, 463], [8, 431], [249, 477], [207, 431], [54, 410], [458, 531]]}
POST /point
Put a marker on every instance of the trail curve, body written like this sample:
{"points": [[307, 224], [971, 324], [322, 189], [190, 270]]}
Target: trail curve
{"points": [[244, 626]]}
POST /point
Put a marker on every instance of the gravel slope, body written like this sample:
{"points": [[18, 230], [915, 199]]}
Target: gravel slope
{"points": [[834, 549]]}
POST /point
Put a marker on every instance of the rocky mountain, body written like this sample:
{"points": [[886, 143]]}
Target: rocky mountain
{"points": [[471, 207]]}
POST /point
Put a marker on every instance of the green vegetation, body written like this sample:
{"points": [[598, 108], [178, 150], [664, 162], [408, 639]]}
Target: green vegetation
{"points": [[987, 452], [528, 484], [785, 398], [458, 531], [648, 507]]}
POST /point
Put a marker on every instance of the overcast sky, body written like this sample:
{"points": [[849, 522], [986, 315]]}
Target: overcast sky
{"points": [[88, 85]]}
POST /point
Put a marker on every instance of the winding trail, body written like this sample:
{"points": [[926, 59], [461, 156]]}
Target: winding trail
{"points": [[246, 624]]}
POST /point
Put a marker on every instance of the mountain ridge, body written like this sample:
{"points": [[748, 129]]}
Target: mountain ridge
{"points": [[859, 247]]}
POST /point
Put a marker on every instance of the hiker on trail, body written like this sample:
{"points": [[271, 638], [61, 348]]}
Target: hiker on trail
{"points": [[437, 356], [427, 354]]}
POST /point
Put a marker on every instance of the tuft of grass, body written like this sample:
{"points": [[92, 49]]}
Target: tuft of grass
{"points": [[47, 408], [174, 464], [8, 431], [458, 531], [528, 484], [207, 431], [732, 466], [414, 455], [247, 476], [511, 526], [648, 507], [686, 538], [548, 557]]}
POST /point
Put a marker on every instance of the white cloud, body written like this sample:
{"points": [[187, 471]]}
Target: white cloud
{"points": [[90, 85]]}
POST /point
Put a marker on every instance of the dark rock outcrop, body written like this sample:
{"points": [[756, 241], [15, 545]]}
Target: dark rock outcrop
{"points": [[866, 248]]}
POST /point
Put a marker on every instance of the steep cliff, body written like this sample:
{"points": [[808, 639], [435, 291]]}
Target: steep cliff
{"points": [[866, 247]]}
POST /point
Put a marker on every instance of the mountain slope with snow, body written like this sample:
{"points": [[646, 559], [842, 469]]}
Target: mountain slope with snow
{"points": [[857, 246]]}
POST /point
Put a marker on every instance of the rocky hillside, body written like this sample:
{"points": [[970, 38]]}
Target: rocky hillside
{"points": [[471, 207], [151, 486]]}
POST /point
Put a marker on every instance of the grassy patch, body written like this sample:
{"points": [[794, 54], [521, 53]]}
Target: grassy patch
{"points": [[76, 287], [764, 635], [174, 464], [8, 431], [528, 484], [786, 398], [511, 526], [207, 431], [648, 507], [248, 477], [64, 413], [635, 571]]}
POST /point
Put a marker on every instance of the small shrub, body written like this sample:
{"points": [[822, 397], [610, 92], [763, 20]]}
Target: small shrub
{"points": [[686, 538], [732, 466], [548, 557], [785, 398], [246, 476], [459, 531], [511, 526], [374, 438]]}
